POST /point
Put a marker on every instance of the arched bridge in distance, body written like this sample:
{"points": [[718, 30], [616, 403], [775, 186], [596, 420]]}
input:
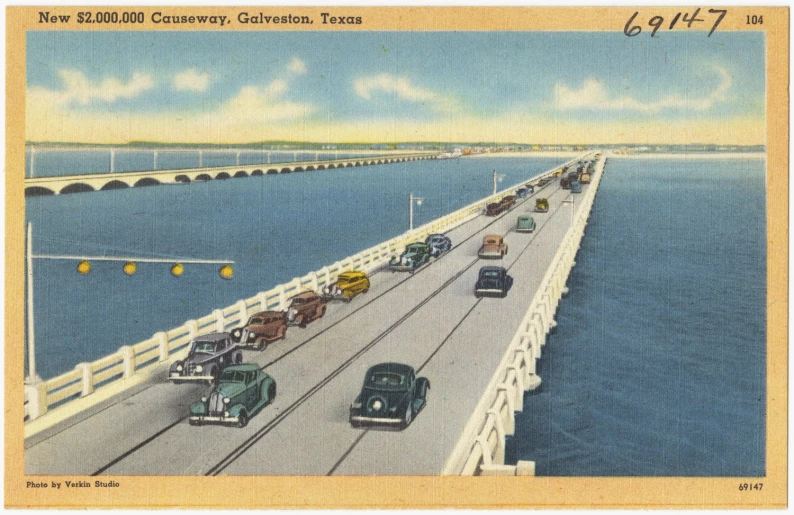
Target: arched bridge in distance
{"points": [[55, 185]]}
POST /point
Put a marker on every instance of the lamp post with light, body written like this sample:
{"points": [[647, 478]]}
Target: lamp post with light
{"points": [[411, 200], [497, 177]]}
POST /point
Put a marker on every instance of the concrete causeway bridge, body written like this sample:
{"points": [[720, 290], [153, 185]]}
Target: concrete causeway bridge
{"points": [[56, 185], [478, 353]]}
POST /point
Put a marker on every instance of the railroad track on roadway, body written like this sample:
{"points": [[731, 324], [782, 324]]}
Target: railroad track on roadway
{"points": [[267, 428]]}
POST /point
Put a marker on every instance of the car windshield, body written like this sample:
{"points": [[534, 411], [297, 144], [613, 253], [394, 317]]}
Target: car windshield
{"points": [[205, 347], [386, 380], [414, 248], [491, 241], [257, 321], [233, 376], [491, 274], [299, 300]]}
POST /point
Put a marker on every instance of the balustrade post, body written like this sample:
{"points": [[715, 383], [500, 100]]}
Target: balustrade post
{"points": [[518, 402], [511, 406], [262, 301], [243, 308], [162, 342], [36, 399], [192, 329], [220, 325], [128, 354], [315, 283], [499, 452], [87, 380], [282, 297]]}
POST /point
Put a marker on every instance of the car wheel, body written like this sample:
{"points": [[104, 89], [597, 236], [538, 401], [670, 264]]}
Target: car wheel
{"points": [[238, 358], [242, 420], [322, 312], [176, 381], [354, 423], [503, 295], [408, 416], [260, 344], [271, 392], [282, 333], [302, 322], [194, 422], [478, 295], [347, 299], [215, 374], [365, 290]]}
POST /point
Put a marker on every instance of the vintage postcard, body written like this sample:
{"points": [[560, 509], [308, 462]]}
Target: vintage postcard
{"points": [[405, 257]]}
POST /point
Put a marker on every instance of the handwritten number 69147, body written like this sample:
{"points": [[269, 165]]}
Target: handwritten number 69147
{"points": [[657, 21]]}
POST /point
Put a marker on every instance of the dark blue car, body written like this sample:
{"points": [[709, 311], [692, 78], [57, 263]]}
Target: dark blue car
{"points": [[521, 193], [391, 395], [493, 282]]}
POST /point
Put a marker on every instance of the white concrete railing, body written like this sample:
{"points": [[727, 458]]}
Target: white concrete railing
{"points": [[143, 357], [481, 448]]}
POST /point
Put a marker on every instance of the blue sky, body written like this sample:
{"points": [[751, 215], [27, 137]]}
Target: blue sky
{"points": [[252, 86]]}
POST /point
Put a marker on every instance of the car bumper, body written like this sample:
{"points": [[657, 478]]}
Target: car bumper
{"points": [[210, 419], [531, 229], [490, 255], [374, 420], [541, 210], [490, 292], [402, 268], [177, 377]]}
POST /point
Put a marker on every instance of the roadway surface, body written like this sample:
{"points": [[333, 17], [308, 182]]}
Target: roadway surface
{"points": [[430, 320]]}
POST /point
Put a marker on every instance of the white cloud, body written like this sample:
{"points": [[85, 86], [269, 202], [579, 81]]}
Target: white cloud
{"points": [[403, 89], [78, 88], [297, 66], [254, 103], [191, 80], [594, 96]]}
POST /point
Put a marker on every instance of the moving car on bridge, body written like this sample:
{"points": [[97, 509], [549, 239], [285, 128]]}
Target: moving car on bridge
{"points": [[438, 244], [347, 285], [209, 355], [305, 308], [576, 187], [493, 282], [415, 255], [391, 395], [493, 247], [541, 205], [241, 392], [262, 329], [525, 224]]}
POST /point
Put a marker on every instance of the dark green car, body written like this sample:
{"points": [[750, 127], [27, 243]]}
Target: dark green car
{"points": [[239, 394], [415, 255]]}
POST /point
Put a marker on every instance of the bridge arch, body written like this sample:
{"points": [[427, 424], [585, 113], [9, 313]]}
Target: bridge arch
{"points": [[331, 166], [203, 177], [182, 178], [272, 171], [310, 168], [358, 163], [147, 181], [286, 170], [115, 185], [348, 165], [78, 187], [297, 169], [257, 173], [241, 173], [223, 176], [321, 167], [38, 191]]}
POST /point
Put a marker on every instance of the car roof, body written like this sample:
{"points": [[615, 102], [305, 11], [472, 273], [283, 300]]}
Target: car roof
{"points": [[305, 295], [267, 313], [541, 199], [414, 244], [525, 217], [211, 337], [493, 236], [398, 368], [350, 274]]}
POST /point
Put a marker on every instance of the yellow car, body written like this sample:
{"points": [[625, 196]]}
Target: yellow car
{"points": [[347, 285]]}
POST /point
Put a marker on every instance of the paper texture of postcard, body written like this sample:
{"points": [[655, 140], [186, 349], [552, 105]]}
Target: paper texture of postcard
{"points": [[405, 257]]}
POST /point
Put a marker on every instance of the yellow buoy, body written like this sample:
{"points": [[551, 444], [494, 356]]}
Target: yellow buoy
{"points": [[130, 267], [177, 269], [84, 267], [226, 271]]}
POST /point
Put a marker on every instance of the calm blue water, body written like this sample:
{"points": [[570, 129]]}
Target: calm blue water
{"points": [[274, 227], [55, 162], [657, 367]]}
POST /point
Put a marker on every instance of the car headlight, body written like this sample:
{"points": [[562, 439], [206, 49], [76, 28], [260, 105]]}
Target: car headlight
{"points": [[225, 413], [291, 314], [251, 337], [179, 368], [377, 405], [237, 333], [226, 400], [199, 368], [203, 398]]}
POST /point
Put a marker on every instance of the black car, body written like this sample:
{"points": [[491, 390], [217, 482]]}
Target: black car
{"points": [[209, 355], [493, 282], [392, 395], [438, 244]]}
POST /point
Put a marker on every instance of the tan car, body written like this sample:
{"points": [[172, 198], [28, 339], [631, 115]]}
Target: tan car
{"points": [[493, 247], [304, 308], [262, 328]]}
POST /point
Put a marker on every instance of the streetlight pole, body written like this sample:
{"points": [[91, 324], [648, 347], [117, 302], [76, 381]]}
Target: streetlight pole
{"points": [[411, 200], [497, 177]]}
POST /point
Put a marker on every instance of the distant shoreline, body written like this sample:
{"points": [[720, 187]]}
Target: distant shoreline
{"points": [[700, 155]]}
